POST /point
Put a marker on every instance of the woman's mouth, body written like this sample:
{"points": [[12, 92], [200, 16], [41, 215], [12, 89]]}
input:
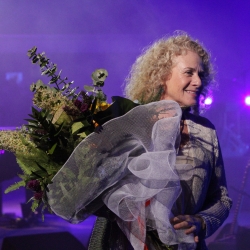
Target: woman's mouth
{"points": [[192, 92]]}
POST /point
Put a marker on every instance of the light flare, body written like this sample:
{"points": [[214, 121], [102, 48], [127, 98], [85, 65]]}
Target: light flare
{"points": [[208, 101], [247, 100]]}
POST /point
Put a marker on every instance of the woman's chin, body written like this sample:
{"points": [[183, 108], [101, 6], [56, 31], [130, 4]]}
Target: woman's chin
{"points": [[187, 105]]}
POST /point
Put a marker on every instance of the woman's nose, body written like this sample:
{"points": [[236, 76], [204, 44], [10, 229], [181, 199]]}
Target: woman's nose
{"points": [[196, 80]]}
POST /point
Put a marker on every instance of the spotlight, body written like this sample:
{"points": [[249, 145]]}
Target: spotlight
{"points": [[1, 152], [208, 101], [247, 100]]}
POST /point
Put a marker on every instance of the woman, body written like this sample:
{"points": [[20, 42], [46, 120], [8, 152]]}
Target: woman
{"points": [[158, 169], [179, 69]]}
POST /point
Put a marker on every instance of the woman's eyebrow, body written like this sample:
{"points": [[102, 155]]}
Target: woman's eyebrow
{"points": [[200, 69]]}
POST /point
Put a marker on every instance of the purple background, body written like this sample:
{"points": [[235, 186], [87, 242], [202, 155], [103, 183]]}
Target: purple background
{"points": [[83, 35]]}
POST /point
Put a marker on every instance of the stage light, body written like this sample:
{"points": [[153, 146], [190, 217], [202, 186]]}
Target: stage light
{"points": [[1, 151], [247, 100], [208, 101]]}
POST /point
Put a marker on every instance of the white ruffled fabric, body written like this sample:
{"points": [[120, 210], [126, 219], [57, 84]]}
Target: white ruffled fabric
{"points": [[130, 166]]}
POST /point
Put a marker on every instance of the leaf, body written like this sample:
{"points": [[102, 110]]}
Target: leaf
{"points": [[43, 62], [31, 115], [35, 59], [42, 168], [61, 117], [35, 112], [15, 186], [46, 72], [35, 205], [83, 134], [34, 175], [32, 126], [76, 126], [59, 130], [72, 91], [89, 88], [52, 149], [21, 176], [32, 52], [65, 86], [31, 121], [22, 165], [93, 106]]}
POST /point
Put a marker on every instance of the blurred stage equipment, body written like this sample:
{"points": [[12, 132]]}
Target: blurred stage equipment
{"points": [[232, 236], [234, 141], [233, 146], [9, 170], [231, 119], [48, 241]]}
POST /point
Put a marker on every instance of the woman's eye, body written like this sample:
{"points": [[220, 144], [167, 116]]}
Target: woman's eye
{"points": [[189, 73]]}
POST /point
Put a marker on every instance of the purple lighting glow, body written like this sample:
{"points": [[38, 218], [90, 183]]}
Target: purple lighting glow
{"points": [[247, 100], [1, 151], [208, 101]]}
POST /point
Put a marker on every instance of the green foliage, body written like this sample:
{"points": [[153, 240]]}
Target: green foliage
{"points": [[15, 186], [49, 69], [35, 205], [61, 118]]}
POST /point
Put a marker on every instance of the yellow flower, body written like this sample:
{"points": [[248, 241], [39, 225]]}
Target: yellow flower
{"points": [[104, 105], [101, 106]]}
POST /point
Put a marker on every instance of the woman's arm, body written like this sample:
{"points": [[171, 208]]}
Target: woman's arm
{"points": [[217, 204]]}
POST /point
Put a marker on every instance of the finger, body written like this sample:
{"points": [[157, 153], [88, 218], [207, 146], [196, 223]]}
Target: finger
{"points": [[190, 230], [177, 219], [196, 239], [174, 220], [182, 225]]}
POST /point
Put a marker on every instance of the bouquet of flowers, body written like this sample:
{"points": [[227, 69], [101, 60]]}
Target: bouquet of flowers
{"points": [[61, 118]]}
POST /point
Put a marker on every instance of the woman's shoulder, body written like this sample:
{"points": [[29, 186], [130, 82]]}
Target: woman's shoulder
{"points": [[201, 120]]}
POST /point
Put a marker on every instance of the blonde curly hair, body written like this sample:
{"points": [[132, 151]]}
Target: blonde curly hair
{"points": [[146, 81]]}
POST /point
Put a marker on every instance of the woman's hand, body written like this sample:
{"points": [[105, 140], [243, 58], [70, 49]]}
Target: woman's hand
{"points": [[192, 223]]}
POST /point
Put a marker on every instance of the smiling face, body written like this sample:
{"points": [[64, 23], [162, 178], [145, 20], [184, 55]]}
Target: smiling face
{"points": [[184, 83]]}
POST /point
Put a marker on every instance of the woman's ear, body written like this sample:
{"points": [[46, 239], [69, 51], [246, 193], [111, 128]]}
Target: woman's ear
{"points": [[168, 77]]}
